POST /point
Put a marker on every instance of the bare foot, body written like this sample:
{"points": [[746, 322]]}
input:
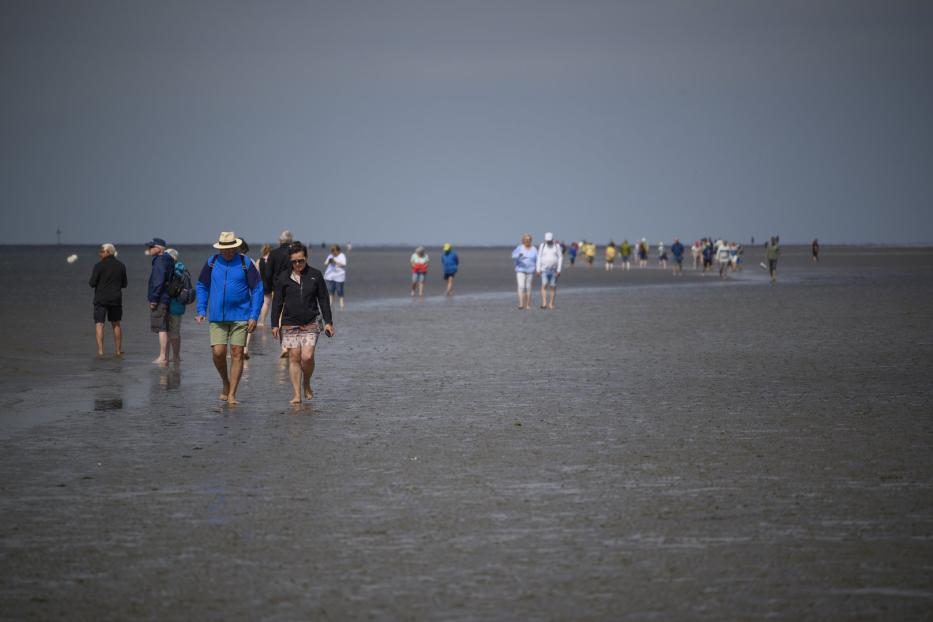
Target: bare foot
{"points": [[100, 354], [160, 361], [295, 400], [118, 354], [550, 306], [231, 399], [224, 393], [177, 359], [308, 393]]}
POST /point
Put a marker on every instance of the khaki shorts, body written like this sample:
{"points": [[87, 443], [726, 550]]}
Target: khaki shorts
{"points": [[233, 333], [174, 326]]}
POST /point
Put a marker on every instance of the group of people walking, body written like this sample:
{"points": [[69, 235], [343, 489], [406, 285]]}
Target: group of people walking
{"points": [[232, 294]]}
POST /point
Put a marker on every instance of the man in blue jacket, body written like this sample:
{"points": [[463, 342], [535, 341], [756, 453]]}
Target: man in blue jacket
{"points": [[451, 265], [163, 267], [230, 297]]}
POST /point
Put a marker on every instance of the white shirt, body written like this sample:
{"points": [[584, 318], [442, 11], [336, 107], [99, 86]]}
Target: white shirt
{"points": [[549, 257], [336, 271]]}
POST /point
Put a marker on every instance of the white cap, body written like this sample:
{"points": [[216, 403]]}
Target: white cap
{"points": [[548, 237]]}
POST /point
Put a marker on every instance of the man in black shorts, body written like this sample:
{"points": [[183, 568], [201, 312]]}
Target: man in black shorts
{"points": [[108, 280]]}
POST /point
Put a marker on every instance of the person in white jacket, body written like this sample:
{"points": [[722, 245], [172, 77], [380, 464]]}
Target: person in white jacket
{"points": [[550, 261]]}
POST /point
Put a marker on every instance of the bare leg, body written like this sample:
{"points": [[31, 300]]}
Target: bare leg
{"points": [[117, 338], [294, 373], [266, 304], [450, 286], [421, 289], [543, 294], [163, 348], [219, 356], [99, 333], [414, 287], [236, 371], [175, 343], [341, 302], [307, 370], [553, 297]]}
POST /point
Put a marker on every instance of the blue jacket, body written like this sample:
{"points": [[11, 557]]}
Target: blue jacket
{"points": [[450, 261], [176, 307], [677, 249], [227, 292], [162, 268]]}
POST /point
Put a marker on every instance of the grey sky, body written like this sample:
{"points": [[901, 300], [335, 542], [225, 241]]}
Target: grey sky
{"points": [[469, 122]]}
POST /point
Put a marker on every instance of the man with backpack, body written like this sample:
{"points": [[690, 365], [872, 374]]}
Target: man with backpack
{"points": [[163, 267], [229, 296], [548, 265]]}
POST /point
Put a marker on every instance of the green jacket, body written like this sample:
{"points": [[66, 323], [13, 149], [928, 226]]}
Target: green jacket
{"points": [[773, 251]]}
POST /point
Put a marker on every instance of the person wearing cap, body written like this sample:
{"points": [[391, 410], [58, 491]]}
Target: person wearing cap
{"points": [[451, 264], [549, 263], [419, 270], [229, 296], [163, 267], [108, 278], [525, 257]]}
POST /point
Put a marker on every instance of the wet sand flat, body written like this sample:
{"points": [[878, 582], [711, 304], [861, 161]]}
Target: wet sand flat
{"points": [[702, 450]]}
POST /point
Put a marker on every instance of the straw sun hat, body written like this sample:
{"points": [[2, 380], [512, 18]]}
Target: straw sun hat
{"points": [[227, 239]]}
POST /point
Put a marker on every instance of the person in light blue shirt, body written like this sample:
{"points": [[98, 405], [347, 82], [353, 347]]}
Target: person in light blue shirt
{"points": [[525, 257]]}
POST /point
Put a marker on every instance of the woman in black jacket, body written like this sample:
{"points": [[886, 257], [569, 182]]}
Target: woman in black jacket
{"points": [[300, 295]]}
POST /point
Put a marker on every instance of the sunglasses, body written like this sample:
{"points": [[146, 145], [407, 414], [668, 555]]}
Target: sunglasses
{"points": [[298, 261]]}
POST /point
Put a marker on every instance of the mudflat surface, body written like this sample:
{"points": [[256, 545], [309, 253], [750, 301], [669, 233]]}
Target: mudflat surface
{"points": [[651, 449]]}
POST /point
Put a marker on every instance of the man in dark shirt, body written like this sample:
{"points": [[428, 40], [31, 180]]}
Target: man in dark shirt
{"points": [[277, 263], [108, 280], [163, 267]]}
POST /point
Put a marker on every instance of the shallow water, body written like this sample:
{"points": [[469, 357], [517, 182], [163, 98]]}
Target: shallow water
{"points": [[652, 449]]}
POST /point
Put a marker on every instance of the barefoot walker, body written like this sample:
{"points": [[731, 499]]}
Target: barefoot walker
{"points": [[230, 297], [298, 296]]}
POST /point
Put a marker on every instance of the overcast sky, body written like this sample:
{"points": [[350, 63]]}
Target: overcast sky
{"points": [[466, 121]]}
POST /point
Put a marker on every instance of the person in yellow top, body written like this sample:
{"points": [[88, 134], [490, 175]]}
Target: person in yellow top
{"points": [[625, 250], [610, 255], [590, 253]]}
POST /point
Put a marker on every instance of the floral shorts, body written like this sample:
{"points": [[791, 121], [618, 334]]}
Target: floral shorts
{"points": [[299, 336]]}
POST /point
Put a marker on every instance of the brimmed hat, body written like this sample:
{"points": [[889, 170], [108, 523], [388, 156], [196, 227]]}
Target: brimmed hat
{"points": [[227, 239], [156, 242], [548, 237]]}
